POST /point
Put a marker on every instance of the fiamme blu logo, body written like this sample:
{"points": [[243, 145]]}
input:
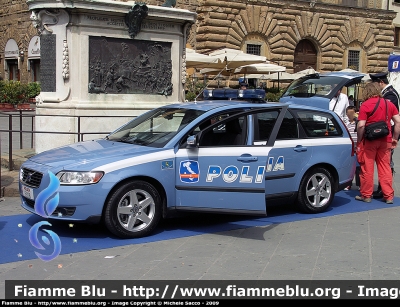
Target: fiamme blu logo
{"points": [[45, 204]]}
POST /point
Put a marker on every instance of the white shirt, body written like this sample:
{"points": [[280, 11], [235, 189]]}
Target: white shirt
{"points": [[340, 106]]}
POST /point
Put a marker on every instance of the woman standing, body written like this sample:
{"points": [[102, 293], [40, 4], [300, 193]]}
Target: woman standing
{"points": [[376, 151]]}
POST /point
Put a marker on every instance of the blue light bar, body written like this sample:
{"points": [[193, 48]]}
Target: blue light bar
{"points": [[232, 94]]}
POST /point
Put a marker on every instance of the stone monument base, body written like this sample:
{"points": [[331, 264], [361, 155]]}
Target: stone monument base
{"points": [[105, 58]]}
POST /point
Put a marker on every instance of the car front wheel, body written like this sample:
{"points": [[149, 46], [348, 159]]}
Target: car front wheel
{"points": [[316, 191], [133, 210]]}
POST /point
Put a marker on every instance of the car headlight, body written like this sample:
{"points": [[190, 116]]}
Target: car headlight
{"points": [[70, 177]]}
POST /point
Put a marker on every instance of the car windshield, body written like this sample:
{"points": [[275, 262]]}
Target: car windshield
{"points": [[155, 128], [314, 86]]}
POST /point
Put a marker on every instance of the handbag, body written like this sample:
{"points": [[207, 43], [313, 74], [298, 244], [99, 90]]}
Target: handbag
{"points": [[379, 129]]}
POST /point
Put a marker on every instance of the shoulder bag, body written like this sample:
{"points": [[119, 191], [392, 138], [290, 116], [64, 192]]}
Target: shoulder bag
{"points": [[379, 129]]}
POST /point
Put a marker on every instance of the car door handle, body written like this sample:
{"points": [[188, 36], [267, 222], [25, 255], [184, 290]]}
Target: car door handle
{"points": [[300, 148], [247, 158]]}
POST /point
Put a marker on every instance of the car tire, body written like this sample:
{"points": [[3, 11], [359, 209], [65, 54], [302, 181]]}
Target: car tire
{"points": [[316, 191], [133, 210]]}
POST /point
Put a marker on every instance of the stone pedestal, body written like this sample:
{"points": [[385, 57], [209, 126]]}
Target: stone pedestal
{"points": [[105, 58]]}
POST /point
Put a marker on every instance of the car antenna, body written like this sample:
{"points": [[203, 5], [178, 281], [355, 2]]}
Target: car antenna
{"points": [[202, 90]]}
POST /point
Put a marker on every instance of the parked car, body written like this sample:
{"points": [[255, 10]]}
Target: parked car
{"points": [[216, 156], [318, 89]]}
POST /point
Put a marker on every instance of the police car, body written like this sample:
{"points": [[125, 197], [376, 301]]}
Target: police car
{"points": [[219, 156]]}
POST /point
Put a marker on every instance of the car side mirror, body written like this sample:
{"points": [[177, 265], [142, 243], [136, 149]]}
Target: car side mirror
{"points": [[191, 141]]}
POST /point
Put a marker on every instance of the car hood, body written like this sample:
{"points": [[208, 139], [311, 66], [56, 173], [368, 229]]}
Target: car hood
{"points": [[90, 154]]}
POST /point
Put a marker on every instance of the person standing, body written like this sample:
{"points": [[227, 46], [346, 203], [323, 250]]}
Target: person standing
{"points": [[351, 113], [339, 104], [243, 85], [376, 151], [388, 92]]}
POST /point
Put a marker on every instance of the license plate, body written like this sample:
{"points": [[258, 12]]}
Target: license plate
{"points": [[27, 192]]}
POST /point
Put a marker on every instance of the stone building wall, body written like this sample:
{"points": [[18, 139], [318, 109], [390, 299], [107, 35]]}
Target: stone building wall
{"points": [[280, 25], [15, 24], [277, 24]]}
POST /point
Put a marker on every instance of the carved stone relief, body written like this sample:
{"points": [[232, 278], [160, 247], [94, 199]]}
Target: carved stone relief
{"points": [[124, 66], [42, 19], [135, 17]]}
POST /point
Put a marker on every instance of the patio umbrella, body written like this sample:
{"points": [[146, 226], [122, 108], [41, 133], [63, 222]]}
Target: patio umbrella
{"points": [[198, 60], [232, 58], [214, 71], [281, 76], [259, 68], [365, 78], [307, 71]]}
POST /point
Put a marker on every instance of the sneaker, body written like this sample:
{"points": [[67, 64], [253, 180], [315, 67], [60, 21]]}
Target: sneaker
{"points": [[389, 201], [347, 188], [364, 199]]}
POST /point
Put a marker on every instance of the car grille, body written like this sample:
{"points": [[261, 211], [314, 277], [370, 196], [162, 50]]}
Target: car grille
{"points": [[31, 177], [59, 211], [29, 202]]}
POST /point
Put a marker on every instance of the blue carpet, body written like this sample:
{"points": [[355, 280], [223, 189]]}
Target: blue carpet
{"points": [[15, 244]]}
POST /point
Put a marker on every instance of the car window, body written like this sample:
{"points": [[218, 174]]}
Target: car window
{"points": [[263, 124], [155, 128], [289, 128], [319, 124], [308, 87], [232, 132]]}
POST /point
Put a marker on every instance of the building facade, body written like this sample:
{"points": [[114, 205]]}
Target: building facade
{"points": [[326, 35]]}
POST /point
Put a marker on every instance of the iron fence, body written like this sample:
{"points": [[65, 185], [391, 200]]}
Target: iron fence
{"points": [[30, 117]]}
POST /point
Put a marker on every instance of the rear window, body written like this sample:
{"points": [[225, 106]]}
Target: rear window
{"points": [[308, 87], [319, 124]]}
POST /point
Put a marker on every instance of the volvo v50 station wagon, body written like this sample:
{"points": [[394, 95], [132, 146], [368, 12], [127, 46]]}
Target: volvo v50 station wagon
{"points": [[216, 156]]}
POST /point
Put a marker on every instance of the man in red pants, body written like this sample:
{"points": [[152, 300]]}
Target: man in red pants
{"points": [[376, 151]]}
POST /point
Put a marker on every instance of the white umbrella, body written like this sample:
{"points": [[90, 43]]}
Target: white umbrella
{"points": [[232, 58], [365, 78], [349, 70], [307, 71], [256, 76], [198, 60], [215, 71], [259, 68], [280, 76]]}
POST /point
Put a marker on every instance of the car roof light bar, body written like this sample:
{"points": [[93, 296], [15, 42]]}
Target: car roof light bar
{"points": [[234, 94]]}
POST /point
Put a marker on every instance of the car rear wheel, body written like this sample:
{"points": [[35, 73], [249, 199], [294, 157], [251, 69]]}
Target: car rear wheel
{"points": [[316, 191], [133, 210]]}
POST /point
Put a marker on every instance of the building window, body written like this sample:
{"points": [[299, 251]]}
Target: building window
{"points": [[397, 36], [353, 61], [13, 71], [253, 49], [35, 70]]}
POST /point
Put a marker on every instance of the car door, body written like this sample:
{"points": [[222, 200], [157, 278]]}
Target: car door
{"points": [[225, 172], [287, 158]]}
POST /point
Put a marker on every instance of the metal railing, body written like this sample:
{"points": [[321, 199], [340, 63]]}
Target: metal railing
{"points": [[23, 115]]}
